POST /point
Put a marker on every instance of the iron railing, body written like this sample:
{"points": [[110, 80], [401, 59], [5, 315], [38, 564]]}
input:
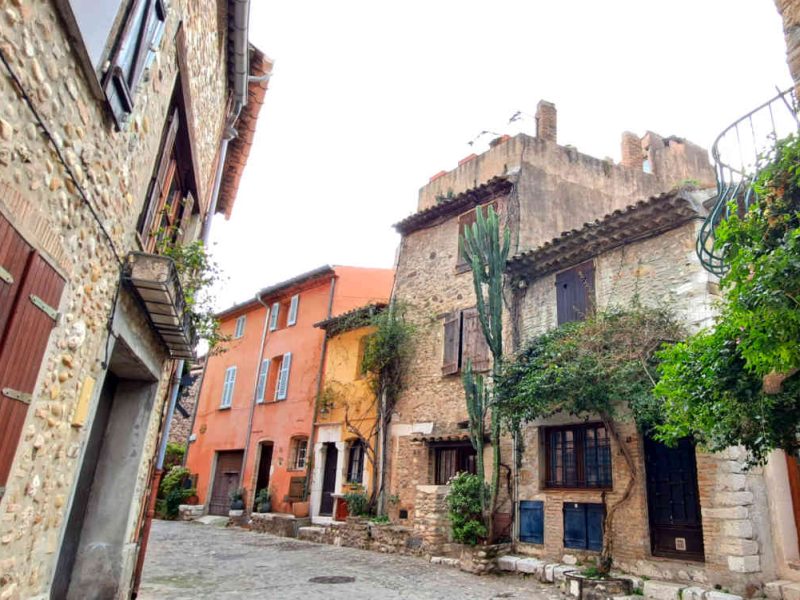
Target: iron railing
{"points": [[739, 153]]}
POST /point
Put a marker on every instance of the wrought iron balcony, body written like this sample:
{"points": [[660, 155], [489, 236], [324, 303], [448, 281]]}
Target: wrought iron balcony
{"points": [[154, 281], [739, 153]]}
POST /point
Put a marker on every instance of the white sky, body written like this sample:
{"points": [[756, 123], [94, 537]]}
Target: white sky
{"points": [[369, 99]]}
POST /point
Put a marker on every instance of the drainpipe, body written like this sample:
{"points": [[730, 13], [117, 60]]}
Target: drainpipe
{"points": [[255, 385], [310, 448]]}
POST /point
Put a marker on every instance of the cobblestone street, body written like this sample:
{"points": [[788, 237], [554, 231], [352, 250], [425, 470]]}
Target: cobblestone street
{"points": [[189, 560]]}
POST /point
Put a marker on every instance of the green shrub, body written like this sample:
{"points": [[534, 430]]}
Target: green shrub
{"points": [[357, 504], [174, 455], [173, 492], [467, 494]]}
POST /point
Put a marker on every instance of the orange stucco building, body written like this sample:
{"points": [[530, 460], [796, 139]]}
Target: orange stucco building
{"points": [[256, 406]]}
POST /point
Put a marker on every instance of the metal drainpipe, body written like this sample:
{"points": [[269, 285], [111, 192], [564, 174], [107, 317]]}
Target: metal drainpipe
{"points": [[310, 448], [255, 386]]}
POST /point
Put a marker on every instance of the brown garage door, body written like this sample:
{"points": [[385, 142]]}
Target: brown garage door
{"points": [[226, 479]]}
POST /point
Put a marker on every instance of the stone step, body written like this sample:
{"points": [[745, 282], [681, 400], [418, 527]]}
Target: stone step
{"points": [[446, 561], [213, 520], [782, 589]]}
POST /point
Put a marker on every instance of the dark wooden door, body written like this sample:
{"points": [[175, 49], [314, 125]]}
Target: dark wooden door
{"points": [[575, 293], [264, 463], [329, 480], [672, 500], [226, 479], [794, 487]]}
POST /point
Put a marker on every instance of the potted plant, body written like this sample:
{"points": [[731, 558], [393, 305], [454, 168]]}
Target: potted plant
{"points": [[263, 503], [300, 509], [237, 499]]}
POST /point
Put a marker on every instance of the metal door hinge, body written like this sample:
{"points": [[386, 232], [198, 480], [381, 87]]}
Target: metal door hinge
{"points": [[44, 307], [16, 395], [6, 276]]}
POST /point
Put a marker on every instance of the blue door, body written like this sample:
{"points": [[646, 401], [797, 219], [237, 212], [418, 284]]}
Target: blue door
{"points": [[531, 521]]}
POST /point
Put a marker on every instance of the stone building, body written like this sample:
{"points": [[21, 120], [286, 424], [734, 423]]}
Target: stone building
{"points": [[116, 127], [540, 189], [693, 517]]}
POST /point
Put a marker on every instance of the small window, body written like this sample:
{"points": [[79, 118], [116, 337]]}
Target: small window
{"points": [[292, 318], [575, 293], [273, 316], [355, 462], [239, 332], [227, 387], [452, 459], [578, 456], [282, 386], [362, 346], [299, 451], [464, 342], [263, 374], [464, 221]]}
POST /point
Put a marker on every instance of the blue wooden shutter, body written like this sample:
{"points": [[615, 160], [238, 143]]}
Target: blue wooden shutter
{"points": [[283, 379], [273, 317], [531, 521], [583, 526], [594, 526], [292, 319], [262, 380]]}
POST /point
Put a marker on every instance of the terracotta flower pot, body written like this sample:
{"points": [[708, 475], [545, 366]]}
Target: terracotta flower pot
{"points": [[300, 509]]}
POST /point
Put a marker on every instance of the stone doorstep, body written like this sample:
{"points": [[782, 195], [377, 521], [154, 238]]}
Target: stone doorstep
{"points": [[783, 589], [655, 590], [446, 561]]}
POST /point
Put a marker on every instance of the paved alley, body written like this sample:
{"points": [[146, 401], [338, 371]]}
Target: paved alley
{"points": [[189, 560]]}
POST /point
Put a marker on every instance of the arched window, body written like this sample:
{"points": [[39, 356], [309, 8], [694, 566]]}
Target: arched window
{"points": [[355, 462]]}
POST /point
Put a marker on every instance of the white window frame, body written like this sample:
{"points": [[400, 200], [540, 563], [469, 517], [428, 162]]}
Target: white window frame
{"points": [[300, 458], [273, 316], [228, 387], [239, 330], [293, 305], [263, 374], [282, 386]]}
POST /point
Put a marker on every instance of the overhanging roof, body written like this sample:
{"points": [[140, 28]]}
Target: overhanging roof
{"points": [[642, 220], [497, 186], [352, 319]]}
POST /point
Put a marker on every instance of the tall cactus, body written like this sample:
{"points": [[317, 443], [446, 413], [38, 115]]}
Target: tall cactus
{"points": [[486, 254]]}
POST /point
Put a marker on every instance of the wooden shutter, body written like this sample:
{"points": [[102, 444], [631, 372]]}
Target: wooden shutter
{"points": [[575, 293], [161, 181], [292, 319], [473, 342], [531, 521], [24, 340], [452, 343], [186, 215], [228, 386], [283, 378], [273, 317], [583, 526], [262, 380]]}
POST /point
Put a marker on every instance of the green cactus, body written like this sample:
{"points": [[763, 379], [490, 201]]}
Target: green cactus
{"points": [[486, 255]]}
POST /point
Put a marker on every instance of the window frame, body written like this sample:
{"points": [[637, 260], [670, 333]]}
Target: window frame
{"points": [[228, 386], [299, 453], [579, 438], [466, 219], [263, 377], [355, 460], [282, 381], [294, 304], [585, 273], [457, 344], [463, 452], [274, 312], [238, 331]]}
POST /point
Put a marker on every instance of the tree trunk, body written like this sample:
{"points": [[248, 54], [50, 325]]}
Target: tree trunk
{"points": [[607, 553]]}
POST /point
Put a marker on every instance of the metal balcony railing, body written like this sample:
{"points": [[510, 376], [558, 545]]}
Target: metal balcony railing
{"points": [[739, 153]]}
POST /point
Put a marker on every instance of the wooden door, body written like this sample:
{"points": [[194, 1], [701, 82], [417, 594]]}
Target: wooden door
{"points": [[226, 480], [794, 486], [329, 480], [673, 501]]}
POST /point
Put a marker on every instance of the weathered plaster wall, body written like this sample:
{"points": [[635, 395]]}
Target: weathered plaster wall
{"points": [[42, 203]]}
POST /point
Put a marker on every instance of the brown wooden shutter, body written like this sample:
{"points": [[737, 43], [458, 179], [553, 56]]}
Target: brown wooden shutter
{"points": [[575, 293], [473, 342], [162, 178], [452, 343], [14, 254], [186, 215], [22, 349]]}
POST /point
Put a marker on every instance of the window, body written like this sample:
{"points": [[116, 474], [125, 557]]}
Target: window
{"points": [[283, 377], [575, 293], [450, 459], [362, 346], [464, 341], [120, 40], [263, 374], [227, 387], [355, 462], [292, 318], [464, 221], [273, 316], [239, 331], [298, 455], [583, 526], [577, 456]]}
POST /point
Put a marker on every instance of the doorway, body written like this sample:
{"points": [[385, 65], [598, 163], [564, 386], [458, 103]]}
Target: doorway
{"points": [[264, 464], [329, 479], [673, 501], [226, 479]]}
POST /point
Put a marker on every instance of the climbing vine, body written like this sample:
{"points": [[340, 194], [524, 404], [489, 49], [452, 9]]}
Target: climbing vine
{"points": [[734, 384]]}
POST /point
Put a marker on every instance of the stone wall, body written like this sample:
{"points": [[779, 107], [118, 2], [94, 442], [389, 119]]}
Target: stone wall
{"points": [[42, 202], [362, 534], [790, 12]]}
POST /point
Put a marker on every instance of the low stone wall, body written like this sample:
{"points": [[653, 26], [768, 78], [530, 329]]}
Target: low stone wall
{"points": [[482, 560], [190, 512], [281, 524], [360, 533]]}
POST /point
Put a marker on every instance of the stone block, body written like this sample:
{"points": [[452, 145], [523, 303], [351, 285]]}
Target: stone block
{"points": [[569, 559], [735, 482], [738, 529], [731, 512], [662, 590], [790, 591], [693, 593], [744, 564], [733, 498], [533, 566], [560, 572], [446, 561], [716, 595], [548, 573], [773, 589], [508, 563], [637, 583], [738, 547]]}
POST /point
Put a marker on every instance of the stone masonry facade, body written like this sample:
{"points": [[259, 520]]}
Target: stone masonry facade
{"points": [[42, 203]]}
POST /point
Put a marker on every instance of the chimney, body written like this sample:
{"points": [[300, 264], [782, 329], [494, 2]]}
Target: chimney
{"points": [[546, 121], [632, 155]]}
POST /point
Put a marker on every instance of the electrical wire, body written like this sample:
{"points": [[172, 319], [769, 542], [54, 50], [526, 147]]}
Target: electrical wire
{"points": [[81, 192]]}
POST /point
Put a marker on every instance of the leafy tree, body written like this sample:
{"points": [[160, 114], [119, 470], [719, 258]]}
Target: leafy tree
{"points": [[465, 503]]}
